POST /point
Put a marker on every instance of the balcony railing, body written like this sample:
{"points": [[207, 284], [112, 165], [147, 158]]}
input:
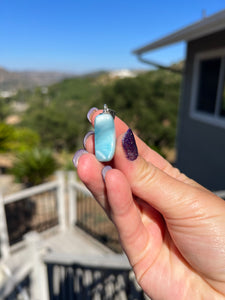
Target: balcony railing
{"points": [[108, 277], [17, 285], [42, 207], [34, 209], [90, 216]]}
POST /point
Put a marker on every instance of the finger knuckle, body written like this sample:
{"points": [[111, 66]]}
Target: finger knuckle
{"points": [[148, 174]]}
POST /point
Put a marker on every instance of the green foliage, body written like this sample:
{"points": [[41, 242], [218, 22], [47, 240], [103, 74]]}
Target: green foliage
{"points": [[4, 109], [34, 166], [15, 139], [59, 116], [68, 165], [149, 104], [24, 139], [6, 135]]}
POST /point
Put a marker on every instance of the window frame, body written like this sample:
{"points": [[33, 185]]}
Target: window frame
{"points": [[213, 119]]}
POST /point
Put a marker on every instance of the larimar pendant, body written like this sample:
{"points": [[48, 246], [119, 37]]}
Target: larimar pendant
{"points": [[105, 136]]}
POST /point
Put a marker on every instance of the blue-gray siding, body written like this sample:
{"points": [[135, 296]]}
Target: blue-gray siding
{"points": [[201, 146]]}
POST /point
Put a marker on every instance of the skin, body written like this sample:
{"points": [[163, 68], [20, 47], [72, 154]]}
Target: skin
{"points": [[171, 228]]}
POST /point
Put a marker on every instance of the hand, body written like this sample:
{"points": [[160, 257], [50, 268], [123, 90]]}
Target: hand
{"points": [[171, 228]]}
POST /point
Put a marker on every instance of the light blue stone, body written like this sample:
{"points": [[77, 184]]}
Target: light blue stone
{"points": [[105, 137]]}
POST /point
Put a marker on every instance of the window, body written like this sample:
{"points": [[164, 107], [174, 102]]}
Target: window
{"points": [[208, 94]]}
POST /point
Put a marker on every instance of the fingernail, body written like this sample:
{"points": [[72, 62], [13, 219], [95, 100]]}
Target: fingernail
{"points": [[129, 145], [105, 170], [86, 137], [77, 155], [90, 113]]}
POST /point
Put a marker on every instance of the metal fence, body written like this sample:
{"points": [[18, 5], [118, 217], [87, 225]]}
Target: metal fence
{"points": [[105, 278], [41, 207], [34, 209], [44, 206], [37, 213], [90, 216], [86, 213]]}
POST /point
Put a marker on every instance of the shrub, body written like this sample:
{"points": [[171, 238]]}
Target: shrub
{"points": [[24, 139], [6, 135], [16, 139], [34, 167]]}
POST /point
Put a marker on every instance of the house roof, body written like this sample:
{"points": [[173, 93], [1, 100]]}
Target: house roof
{"points": [[196, 30]]}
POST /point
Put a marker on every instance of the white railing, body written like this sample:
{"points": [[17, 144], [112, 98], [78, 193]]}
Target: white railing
{"points": [[36, 270], [15, 286], [73, 188], [28, 280], [87, 214], [58, 185]]}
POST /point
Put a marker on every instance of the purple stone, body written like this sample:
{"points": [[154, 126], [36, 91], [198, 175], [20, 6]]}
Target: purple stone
{"points": [[129, 145]]}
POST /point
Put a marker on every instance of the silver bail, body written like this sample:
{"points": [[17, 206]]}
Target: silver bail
{"points": [[106, 110]]}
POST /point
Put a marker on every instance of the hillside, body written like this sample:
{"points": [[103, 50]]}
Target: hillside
{"points": [[148, 102], [11, 81]]}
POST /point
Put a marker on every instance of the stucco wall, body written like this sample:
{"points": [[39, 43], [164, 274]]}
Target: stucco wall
{"points": [[201, 146]]}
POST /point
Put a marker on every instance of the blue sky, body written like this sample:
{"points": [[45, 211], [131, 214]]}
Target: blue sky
{"points": [[86, 35]]}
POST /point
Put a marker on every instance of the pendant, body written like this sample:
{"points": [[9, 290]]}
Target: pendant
{"points": [[105, 136]]}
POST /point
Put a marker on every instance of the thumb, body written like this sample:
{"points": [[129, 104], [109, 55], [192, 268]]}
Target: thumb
{"points": [[173, 198], [194, 216]]}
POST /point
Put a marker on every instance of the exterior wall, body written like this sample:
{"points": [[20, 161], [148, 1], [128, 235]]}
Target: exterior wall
{"points": [[201, 146]]}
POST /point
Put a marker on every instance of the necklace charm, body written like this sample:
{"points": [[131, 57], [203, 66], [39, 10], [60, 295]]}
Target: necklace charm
{"points": [[105, 136]]}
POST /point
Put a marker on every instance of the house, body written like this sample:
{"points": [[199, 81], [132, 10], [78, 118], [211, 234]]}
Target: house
{"points": [[201, 126]]}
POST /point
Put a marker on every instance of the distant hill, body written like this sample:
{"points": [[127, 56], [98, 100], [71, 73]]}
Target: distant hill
{"points": [[11, 81]]}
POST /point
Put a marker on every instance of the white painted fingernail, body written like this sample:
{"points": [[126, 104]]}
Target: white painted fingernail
{"points": [[105, 170], [77, 155], [90, 113], [87, 136]]}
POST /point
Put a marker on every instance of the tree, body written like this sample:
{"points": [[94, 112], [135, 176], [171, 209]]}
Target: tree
{"points": [[6, 135], [4, 109], [59, 116], [149, 104]]}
